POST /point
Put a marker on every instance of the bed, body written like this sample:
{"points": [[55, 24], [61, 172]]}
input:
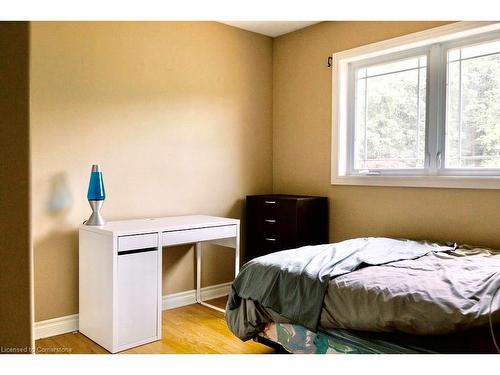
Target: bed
{"points": [[370, 295]]}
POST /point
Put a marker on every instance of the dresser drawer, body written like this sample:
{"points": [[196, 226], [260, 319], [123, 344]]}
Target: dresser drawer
{"points": [[140, 241], [278, 222], [267, 245], [200, 234], [267, 208], [268, 228]]}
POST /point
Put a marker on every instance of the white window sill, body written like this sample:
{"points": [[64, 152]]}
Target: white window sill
{"points": [[456, 182]]}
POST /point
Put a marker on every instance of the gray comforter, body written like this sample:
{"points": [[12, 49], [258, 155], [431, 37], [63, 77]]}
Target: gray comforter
{"points": [[290, 286]]}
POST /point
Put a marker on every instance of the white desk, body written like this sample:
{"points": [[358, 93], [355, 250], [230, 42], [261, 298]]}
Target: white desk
{"points": [[120, 278]]}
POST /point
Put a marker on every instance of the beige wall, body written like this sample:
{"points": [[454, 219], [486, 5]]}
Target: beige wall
{"points": [[15, 242], [302, 138], [178, 115]]}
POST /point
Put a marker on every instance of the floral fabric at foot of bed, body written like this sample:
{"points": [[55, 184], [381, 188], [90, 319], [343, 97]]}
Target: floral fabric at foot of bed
{"points": [[299, 340]]}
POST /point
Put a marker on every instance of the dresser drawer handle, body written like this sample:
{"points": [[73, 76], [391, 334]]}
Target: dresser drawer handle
{"points": [[270, 202], [270, 221], [269, 239]]}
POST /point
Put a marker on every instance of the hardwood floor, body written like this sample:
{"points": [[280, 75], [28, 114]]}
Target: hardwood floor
{"points": [[191, 329]]}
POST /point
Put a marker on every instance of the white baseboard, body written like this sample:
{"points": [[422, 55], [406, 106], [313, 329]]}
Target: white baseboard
{"points": [[171, 301], [56, 326], [65, 324]]}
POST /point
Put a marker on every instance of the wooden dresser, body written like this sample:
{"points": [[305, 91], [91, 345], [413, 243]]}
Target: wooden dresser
{"points": [[278, 222]]}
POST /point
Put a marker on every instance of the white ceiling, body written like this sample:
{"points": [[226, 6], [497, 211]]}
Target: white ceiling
{"points": [[270, 28]]}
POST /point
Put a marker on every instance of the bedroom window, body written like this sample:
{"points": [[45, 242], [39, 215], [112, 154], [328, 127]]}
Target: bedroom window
{"points": [[420, 110]]}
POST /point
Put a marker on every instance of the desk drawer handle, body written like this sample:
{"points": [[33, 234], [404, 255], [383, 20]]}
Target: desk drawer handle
{"points": [[270, 202], [137, 251], [269, 239], [270, 221]]}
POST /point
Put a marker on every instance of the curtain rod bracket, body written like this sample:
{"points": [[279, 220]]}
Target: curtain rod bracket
{"points": [[330, 61]]}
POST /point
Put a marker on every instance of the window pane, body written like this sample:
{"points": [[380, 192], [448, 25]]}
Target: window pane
{"points": [[389, 131], [473, 107]]}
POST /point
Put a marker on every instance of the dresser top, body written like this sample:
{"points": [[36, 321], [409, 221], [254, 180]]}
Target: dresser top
{"points": [[159, 224], [285, 196]]}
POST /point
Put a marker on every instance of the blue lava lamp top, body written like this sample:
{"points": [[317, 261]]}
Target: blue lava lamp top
{"points": [[96, 185]]}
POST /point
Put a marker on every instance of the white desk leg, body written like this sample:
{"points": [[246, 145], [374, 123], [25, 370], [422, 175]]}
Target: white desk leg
{"points": [[237, 253], [198, 280], [198, 271]]}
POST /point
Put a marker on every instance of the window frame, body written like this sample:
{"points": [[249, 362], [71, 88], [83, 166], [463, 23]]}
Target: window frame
{"points": [[435, 43]]}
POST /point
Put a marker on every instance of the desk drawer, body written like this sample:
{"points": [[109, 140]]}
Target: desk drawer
{"points": [[140, 241], [197, 235]]}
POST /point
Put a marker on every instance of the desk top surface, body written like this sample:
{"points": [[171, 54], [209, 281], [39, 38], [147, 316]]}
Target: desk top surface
{"points": [[159, 224]]}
